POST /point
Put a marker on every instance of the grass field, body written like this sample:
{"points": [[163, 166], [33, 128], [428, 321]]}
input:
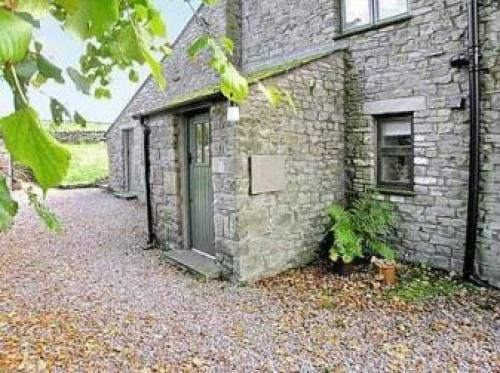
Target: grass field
{"points": [[89, 163]]}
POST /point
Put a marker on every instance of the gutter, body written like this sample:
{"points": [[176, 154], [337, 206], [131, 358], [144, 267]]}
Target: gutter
{"points": [[151, 239]]}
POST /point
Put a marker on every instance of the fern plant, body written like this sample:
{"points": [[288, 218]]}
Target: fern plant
{"points": [[359, 229]]}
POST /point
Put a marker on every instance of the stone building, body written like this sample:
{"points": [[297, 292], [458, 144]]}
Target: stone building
{"points": [[5, 164], [378, 105]]}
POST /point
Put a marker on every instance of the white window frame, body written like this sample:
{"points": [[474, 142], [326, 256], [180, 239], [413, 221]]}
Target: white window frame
{"points": [[374, 15]]}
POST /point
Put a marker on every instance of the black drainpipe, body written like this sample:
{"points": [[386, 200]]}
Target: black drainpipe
{"points": [[474, 62], [147, 173]]}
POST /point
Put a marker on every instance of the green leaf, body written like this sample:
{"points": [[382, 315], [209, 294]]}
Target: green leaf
{"points": [[277, 97], [82, 84], [70, 6], [156, 24], [81, 121], [37, 8], [26, 69], [156, 69], [50, 219], [133, 76], [233, 85], [198, 46], [32, 146], [210, 2], [93, 17], [15, 37], [49, 70], [102, 93], [228, 44], [8, 207], [58, 111], [130, 45]]}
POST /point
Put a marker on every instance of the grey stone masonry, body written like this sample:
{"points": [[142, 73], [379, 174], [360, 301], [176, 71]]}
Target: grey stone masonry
{"points": [[341, 84], [184, 77], [75, 137], [4, 160], [275, 31], [283, 229], [408, 60]]}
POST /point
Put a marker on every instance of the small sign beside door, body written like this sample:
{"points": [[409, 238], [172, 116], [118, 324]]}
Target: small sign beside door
{"points": [[267, 174]]}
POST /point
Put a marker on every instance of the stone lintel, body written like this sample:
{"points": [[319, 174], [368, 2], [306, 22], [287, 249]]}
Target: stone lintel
{"points": [[395, 105]]}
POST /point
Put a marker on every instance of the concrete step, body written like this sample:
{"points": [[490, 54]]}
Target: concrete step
{"points": [[195, 263], [125, 195]]}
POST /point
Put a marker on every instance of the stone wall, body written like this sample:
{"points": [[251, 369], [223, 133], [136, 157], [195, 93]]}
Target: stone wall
{"points": [[406, 67], [184, 78], [274, 31], [169, 184], [4, 160], [283, 229], [411, 61], [75, 137], [401, 67]]}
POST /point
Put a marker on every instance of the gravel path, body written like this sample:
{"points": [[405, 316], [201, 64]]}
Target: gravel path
{"points": [[92, 300]]}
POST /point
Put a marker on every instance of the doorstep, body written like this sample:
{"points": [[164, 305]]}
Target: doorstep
{"points": [[128, 196], [197, 264]]}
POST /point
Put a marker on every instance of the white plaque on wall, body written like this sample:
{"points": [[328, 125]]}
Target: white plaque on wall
{"points": [[267, 174]]}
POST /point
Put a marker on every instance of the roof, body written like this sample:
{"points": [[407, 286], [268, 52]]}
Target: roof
{"points": [[253, 77]]}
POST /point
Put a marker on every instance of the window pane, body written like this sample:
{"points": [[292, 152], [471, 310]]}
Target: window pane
{"points": [[357, 13], [395, 169], [396, 131], [391, 8], [206, 143], [199, 143]]}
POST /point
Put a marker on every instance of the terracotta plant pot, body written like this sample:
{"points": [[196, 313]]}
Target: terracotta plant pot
{"points": [[388, 273]]}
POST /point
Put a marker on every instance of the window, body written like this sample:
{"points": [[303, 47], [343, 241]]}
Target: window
{"points": [[395, 152], [203, 143], [358, 13]]}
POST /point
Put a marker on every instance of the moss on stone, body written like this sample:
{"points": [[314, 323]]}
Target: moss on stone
{"points": [[285, 67], [252, 78]]}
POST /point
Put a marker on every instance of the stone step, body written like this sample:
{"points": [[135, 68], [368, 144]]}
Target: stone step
{"points": [[125, 195], [195, 263]]}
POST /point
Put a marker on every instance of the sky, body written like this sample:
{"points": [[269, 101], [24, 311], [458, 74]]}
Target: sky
{"points": [[64, 50]]}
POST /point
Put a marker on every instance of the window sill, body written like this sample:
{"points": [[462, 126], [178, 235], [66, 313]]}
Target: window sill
{"points": [[376, 26], [396, 192]]}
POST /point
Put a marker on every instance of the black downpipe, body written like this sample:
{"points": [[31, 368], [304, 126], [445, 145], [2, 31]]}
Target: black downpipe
{"points": [[475, 139], [147, 173]]}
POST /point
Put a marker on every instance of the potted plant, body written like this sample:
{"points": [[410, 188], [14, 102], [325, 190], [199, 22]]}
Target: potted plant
{"points": [[359, 230]]}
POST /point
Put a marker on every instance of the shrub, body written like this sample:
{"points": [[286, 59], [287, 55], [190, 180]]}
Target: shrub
{"points": [[359, 229]]}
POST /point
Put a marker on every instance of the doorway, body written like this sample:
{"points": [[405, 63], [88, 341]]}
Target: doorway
{"points": [[200, 185]]}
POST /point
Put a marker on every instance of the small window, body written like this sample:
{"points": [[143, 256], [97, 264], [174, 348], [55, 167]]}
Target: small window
{"points": [[358, 13], [203, 143], [395, 152]]}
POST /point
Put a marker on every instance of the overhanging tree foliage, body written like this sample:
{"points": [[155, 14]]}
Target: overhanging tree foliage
{"points": [[118, 34]]}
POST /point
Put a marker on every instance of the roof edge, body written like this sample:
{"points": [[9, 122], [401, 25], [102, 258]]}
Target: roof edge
{"points": [[253, 78], [188, 23]]}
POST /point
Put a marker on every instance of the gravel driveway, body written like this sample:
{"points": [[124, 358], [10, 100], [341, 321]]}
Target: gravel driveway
{"points": [[92, 300]]}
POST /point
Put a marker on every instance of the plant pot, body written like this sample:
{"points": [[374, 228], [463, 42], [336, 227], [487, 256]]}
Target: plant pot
{"points": [[388, 273]]}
